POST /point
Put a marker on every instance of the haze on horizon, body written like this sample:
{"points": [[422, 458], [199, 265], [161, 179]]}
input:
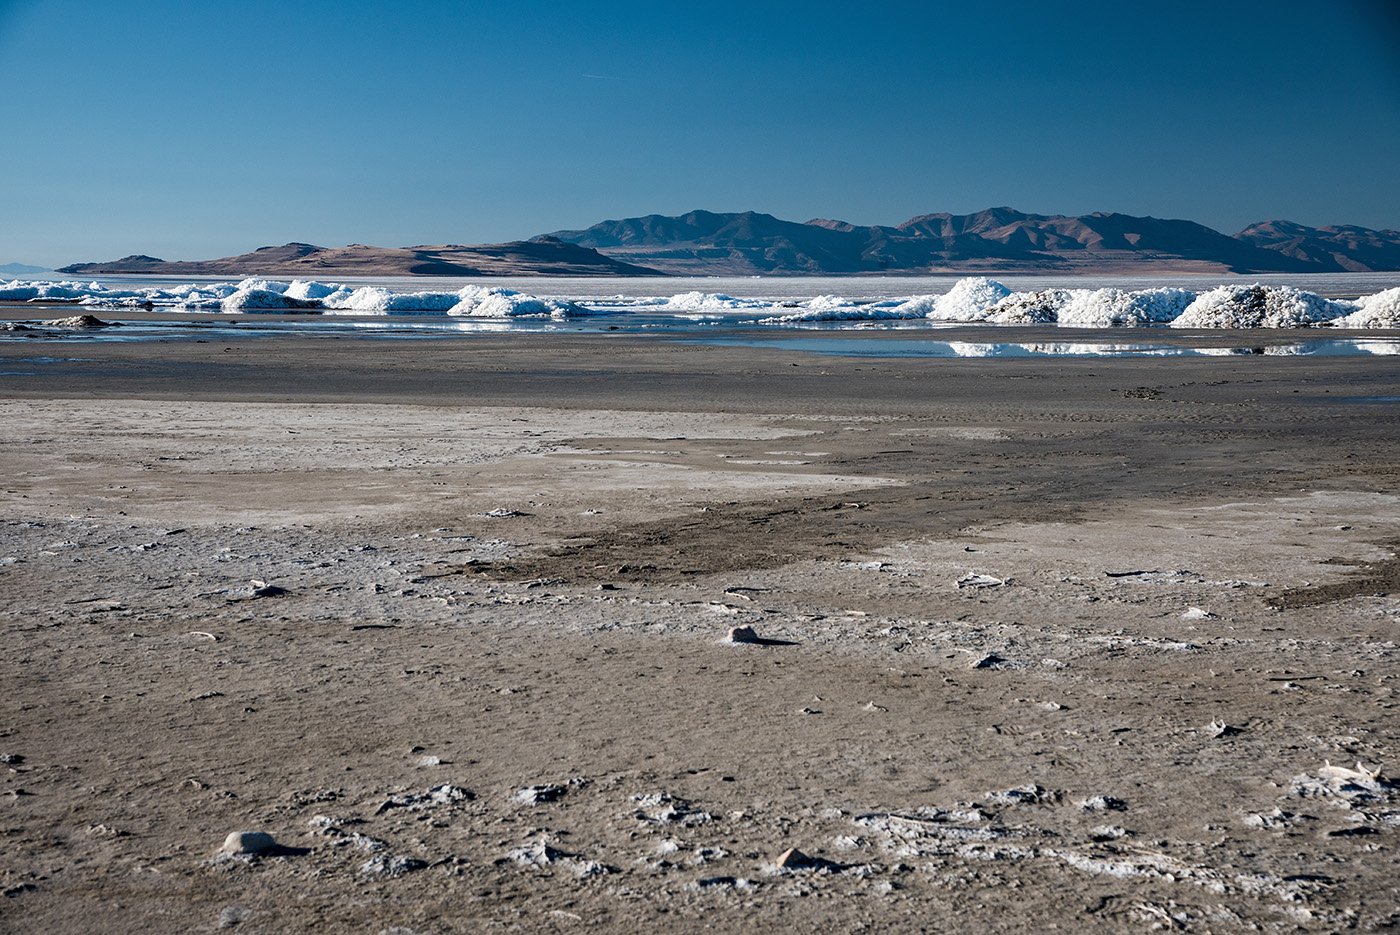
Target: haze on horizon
{"points": [[191, 131]]}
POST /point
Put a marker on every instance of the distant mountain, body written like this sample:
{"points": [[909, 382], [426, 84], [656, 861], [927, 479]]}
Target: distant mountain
{"points": [[997, 239], [1354, 249], [22, 269], [542, 256], [749, 243]]}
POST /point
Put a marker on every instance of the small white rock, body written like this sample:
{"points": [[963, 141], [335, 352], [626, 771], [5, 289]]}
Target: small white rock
{"points": [[248, 842]]}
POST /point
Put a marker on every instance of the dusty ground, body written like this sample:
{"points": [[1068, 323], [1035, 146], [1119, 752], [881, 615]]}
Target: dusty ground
{"points": [[1047, 644]]}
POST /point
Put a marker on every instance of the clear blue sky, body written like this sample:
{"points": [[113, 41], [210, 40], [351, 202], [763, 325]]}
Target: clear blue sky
{"points": [[191, 130]]}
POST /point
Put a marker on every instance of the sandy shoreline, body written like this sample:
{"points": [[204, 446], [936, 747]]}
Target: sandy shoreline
{"points": [[1053, 642]]}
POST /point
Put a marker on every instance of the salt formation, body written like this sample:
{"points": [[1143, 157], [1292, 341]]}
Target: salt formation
{"points": [[1091, 308], [258, 295], [1110, 307], [711, 301], [1029, 308], [1381, 310], [1259, 306], [467, 302], [968, 300], [974, 299]]}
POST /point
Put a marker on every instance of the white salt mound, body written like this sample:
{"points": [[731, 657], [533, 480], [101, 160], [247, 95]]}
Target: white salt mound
{"points": [[968, 300], [710, 301], [1030, 308], [1098, 308], [1259, 306], [1381, 310], [836, 308], [256, 295], [374, 300]]}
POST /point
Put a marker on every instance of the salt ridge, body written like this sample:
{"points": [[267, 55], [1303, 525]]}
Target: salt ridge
{"points": [[970, 300]]}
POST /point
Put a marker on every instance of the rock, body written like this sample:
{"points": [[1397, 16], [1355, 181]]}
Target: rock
{"points": [[743, 634], [534, 795], [536, 854], [1101, 803], [1197, 613], [1108, 833], [391, 865], [230, 916], [1022, 795], [1218, 728], [972, 580], [1360, 774], [447, 793], [248, 842], [793, 859]]}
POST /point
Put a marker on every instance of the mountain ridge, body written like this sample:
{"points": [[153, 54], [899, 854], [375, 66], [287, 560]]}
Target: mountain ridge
{"points": [[704, 243], [542, 256], [995, 239]]}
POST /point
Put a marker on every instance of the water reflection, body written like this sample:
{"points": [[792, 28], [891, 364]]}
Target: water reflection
{"points": [[893, 347]]}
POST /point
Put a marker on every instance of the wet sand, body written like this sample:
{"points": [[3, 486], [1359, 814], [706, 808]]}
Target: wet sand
{"points": [[1046, 643]]}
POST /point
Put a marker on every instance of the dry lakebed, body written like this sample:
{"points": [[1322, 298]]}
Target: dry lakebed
{"points": [[354, 635]]}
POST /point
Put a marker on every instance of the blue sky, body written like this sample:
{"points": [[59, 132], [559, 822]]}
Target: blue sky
{"points": [[189, 130]]}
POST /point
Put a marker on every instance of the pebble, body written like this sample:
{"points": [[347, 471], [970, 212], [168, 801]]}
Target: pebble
{"points": [[248, 842]]}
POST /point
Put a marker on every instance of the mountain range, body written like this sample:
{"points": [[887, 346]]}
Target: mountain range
{"points": [[542, 256], [704, 243], [997, 239]]}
